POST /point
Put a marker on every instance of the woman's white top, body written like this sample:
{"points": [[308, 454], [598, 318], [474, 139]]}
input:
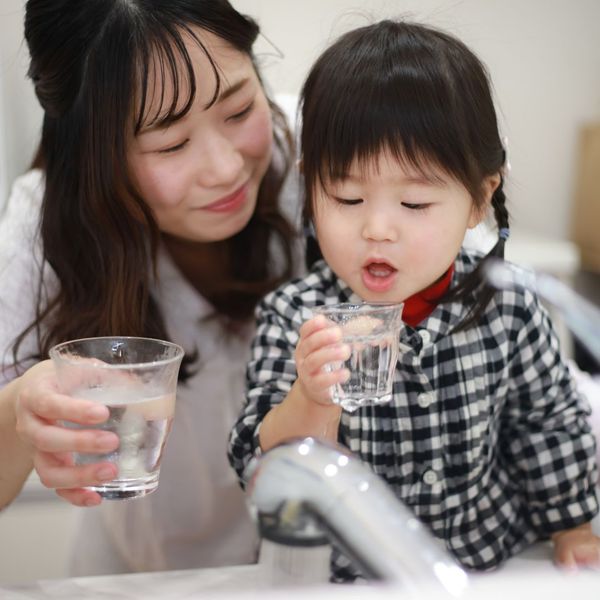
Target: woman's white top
{"points": [[198, 516]]}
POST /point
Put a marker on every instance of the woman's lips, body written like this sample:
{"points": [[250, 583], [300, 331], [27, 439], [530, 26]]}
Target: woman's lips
{"points": [[229, 203], [378, 276]]}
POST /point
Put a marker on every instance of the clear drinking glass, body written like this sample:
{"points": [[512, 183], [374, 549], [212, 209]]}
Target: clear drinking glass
{"points": [[136, 378], [372, 332]]}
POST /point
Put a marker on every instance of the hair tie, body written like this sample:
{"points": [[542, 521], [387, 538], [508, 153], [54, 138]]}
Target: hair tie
{"points": [[309, 230], [504, 233]]}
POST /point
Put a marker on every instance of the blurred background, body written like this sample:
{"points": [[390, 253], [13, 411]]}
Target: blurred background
{"points": [[544, 59]]}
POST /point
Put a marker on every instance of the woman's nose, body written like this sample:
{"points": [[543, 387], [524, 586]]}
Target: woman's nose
{"points": [[219, 162]]}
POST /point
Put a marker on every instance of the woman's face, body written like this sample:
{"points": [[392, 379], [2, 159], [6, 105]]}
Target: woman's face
{"points": [[200, 175]]}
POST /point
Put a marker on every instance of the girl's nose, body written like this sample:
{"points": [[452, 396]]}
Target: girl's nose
{"points": [[219, 162], [379, 226]]}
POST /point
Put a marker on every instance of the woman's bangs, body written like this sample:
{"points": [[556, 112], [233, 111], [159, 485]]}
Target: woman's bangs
{"points": [[167, 82]]}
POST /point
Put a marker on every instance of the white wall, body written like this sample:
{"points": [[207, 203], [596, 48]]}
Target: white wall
{"points": [[20, 115], [544, 56]]}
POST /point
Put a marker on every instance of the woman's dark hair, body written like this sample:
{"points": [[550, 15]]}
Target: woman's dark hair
{"points": [[418, 93], [90, 64]]}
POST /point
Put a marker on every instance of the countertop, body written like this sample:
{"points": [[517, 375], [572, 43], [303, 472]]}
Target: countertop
{"points": [[529, 575]]}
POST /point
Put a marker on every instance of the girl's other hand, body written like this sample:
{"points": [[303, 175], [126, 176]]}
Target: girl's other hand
{"points": [[319, 346], [577, 547], [40, 407]]}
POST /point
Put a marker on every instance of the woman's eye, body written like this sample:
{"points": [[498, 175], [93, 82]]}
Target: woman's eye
{"points": [[175, 148], [411, 206], [348, 201], [240, 115]]}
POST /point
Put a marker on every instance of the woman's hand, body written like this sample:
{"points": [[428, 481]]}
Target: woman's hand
{"points": [[39, 409], [319, 347], [577, 547]]}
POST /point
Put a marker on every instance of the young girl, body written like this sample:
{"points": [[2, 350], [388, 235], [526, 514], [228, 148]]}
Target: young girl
{"points": [[153, 210], [486, 437]]}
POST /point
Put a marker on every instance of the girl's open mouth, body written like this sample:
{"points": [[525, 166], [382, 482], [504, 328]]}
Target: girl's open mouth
{"points": [[378, 276]]}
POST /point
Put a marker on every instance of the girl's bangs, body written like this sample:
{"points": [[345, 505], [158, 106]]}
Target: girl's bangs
{"points": [[402, 118]]}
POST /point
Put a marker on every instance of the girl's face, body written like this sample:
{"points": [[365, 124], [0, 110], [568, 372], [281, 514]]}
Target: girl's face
{"points": [[389, 232], [200, 175]]}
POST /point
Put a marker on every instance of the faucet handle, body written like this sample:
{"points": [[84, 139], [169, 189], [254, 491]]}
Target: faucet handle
{"points": [[291, 524]]}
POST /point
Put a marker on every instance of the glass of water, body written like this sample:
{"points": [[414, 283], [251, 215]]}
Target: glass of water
{"points": [[372, 331], [136, 378]]}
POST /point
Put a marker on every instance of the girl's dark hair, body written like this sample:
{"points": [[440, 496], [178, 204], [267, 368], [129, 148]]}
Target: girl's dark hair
{"points": [[90, 64], [418, 93]]}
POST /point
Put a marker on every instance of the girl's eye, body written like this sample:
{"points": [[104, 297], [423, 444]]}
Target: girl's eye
{"points": [[173, 148], [421, 206], [348, 201], [243, 113]]}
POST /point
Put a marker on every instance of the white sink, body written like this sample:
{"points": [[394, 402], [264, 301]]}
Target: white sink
{"points": [[530, 576]]}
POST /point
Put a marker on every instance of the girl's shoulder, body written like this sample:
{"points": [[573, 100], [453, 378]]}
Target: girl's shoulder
{"points": [[296, 298], [517, 305], [467, 260]]}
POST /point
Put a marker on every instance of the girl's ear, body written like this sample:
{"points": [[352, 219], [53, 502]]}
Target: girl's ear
{"points": [[480, 210], [300, 166]]}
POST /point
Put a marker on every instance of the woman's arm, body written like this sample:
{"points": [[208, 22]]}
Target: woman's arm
{"points": [[16, 459]]}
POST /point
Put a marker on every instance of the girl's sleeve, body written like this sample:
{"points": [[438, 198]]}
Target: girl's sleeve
{"points": [[270, 375], [547, 439]]}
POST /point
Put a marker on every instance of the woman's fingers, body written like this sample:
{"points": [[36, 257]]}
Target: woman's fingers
{"points": [[46, 403], [46, 436], [57, 471], [80, 497]]}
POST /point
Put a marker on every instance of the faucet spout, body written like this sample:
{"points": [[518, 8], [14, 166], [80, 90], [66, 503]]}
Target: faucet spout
{"points": [[305, 492]]}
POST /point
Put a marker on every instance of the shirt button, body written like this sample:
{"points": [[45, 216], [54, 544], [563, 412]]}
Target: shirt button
{"points": [[425, 400], [425, 336], [430, 477]]}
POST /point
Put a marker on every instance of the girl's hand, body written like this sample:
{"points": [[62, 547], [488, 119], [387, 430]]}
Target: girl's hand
{"points": [[39, 409], [320, 345], [577, 547]]}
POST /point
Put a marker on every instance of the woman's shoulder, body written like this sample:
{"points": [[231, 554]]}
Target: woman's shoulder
{"points": [[22, 211]]}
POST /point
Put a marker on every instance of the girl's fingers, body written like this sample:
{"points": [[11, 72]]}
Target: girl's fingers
{"points": [[316, 362], [319, 338], [315, 324], [588, 555], [318, 388], [57, 471]]}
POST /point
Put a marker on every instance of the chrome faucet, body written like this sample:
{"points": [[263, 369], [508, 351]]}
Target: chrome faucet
{"points": [[306, 493]]}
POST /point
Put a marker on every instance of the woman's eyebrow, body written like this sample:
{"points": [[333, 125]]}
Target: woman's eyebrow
{"points": [[231, 90], [162, 123]]}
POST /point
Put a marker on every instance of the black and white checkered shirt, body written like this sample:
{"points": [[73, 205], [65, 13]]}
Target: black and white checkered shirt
{"points": [[486, 437]]}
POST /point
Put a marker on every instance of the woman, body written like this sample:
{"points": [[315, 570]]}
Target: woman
{"points": [[152, 209]]}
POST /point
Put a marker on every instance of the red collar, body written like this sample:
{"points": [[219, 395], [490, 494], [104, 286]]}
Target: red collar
{"points": [[423, 303]]}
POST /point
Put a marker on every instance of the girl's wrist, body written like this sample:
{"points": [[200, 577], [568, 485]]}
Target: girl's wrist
{"points": [[299, 416], [584, 527]]}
